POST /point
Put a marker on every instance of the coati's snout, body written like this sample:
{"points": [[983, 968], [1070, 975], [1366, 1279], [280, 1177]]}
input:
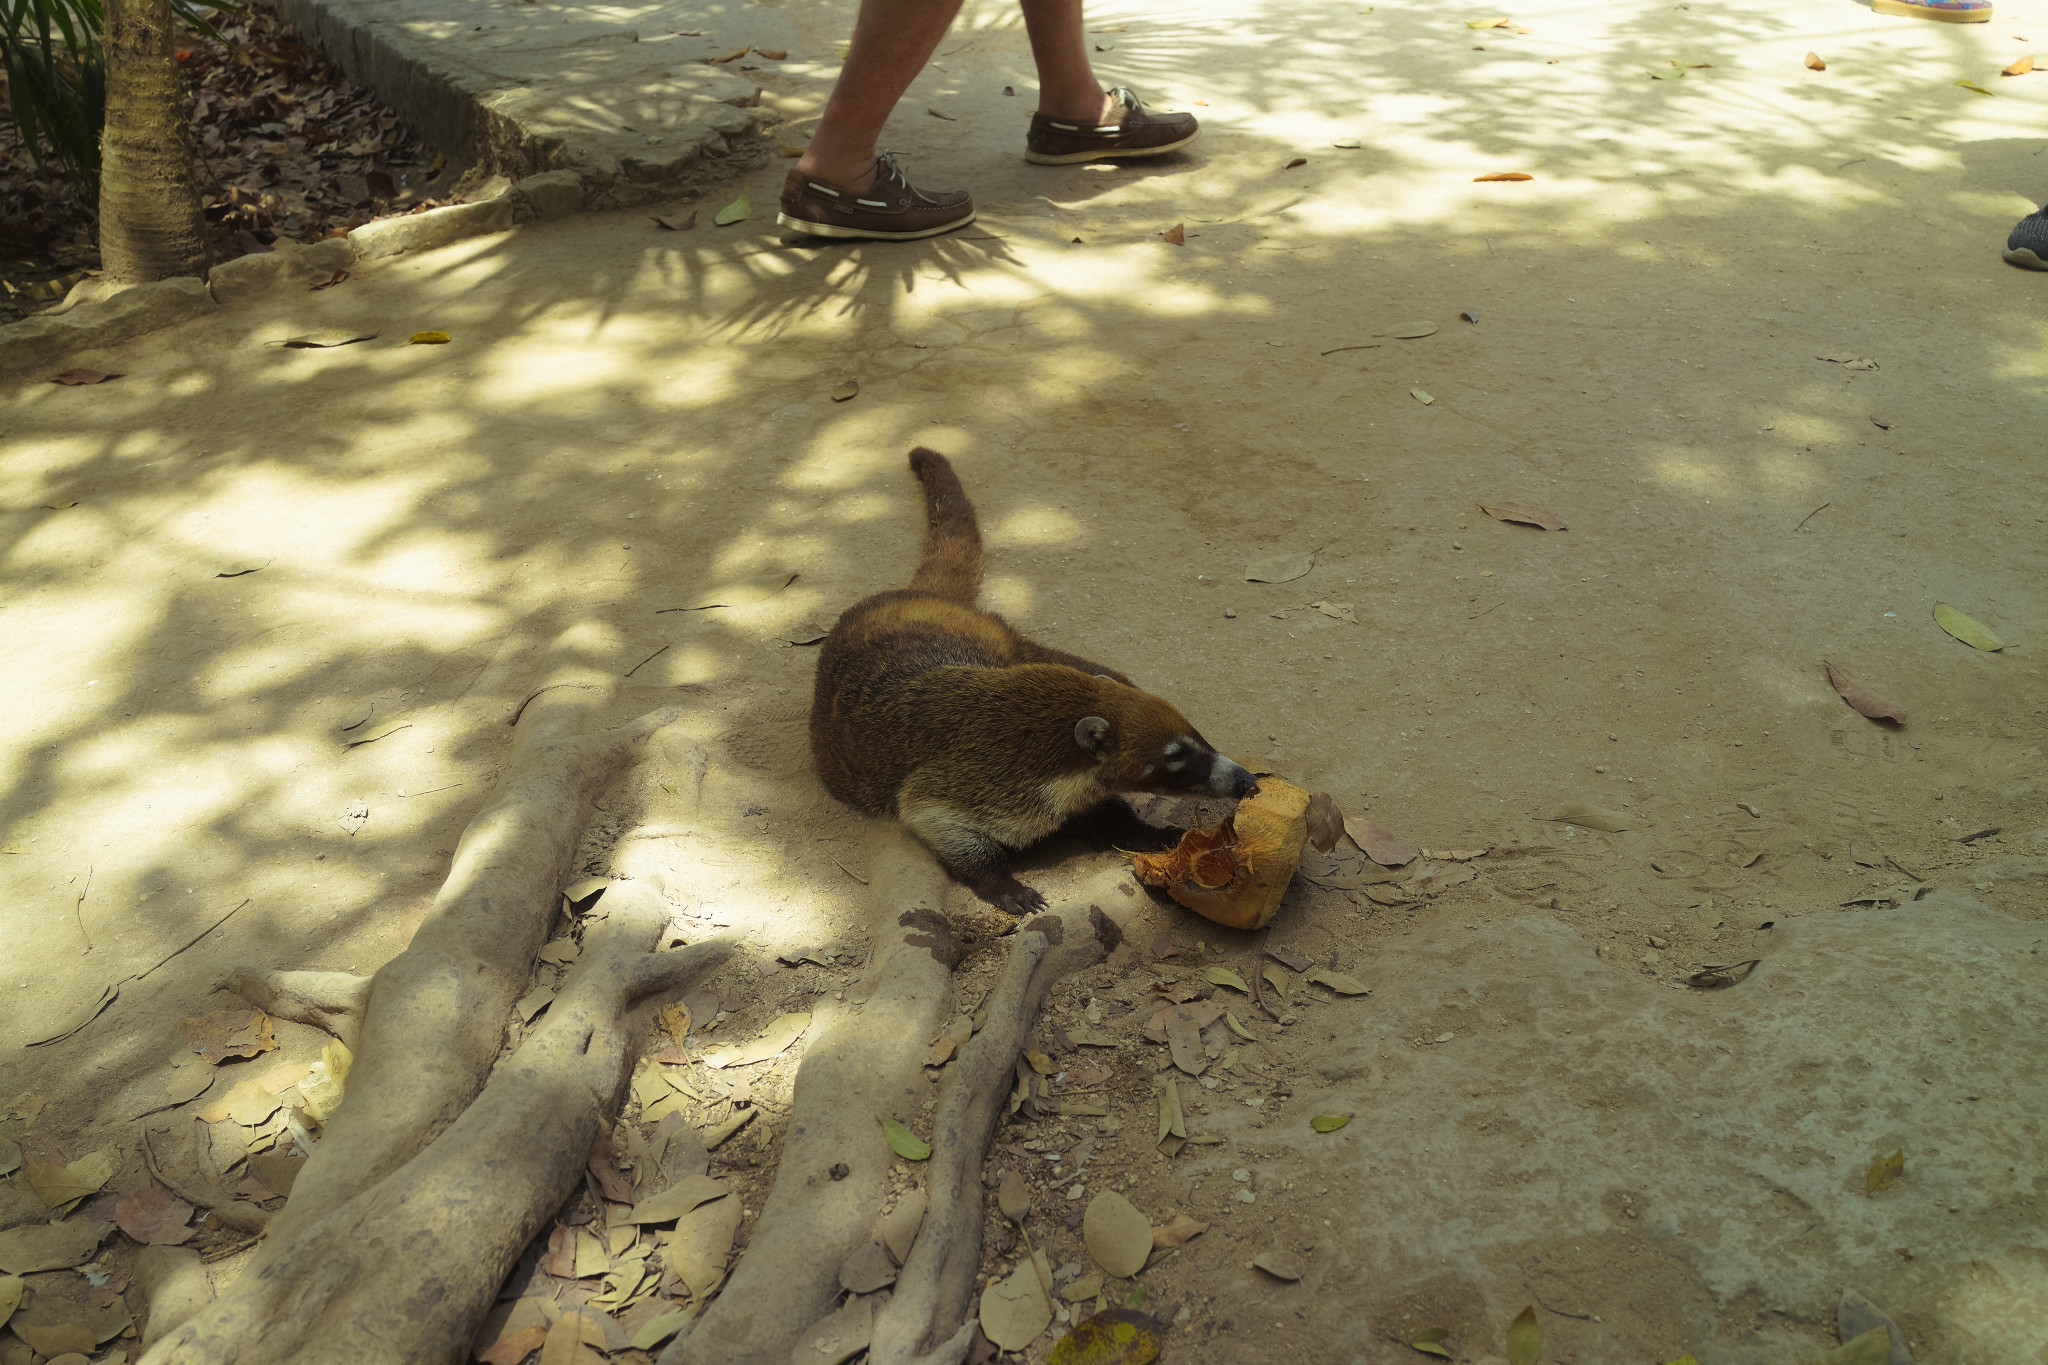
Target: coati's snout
{"points": [[1177, 760]]}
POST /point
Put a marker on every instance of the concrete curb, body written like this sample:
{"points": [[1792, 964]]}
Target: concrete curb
{"points": [[46, 340]]}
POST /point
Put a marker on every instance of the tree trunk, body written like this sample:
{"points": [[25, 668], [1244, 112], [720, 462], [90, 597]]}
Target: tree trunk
{"points": [[151, 227]]}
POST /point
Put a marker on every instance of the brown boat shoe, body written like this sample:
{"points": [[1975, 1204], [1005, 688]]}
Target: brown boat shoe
{"points": [[1060, 142], [890, 210]]}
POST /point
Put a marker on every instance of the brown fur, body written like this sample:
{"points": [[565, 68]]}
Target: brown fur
{"points": [[934, 711]]}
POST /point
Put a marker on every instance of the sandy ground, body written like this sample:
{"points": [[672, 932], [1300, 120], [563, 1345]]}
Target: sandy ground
{"points": [[627, 416]]}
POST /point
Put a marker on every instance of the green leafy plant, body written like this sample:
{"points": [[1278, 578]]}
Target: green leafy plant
{"points": [[57, 74]]}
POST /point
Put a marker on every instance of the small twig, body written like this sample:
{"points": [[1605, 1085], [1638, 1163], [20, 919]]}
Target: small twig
{"points": [[359, 743], [157, 1170], [1582, 1317], [194, 939], [1980, 834], [646, 661], [1857, 162], [1814, 513], [1367, 346], [78, 909], [407, 796], [847, 870], [1477, 614]]}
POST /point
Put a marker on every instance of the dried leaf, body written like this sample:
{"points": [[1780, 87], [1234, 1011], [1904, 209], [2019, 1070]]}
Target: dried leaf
{"points": [[1163, 947], [1013, 1197], [1972, 85], [50, 1246], [77, 378], [847, 391], [1016, 1308], [514, 1347], [903, 1142], [10, 1156], [732, 56], [1411, 331], [1281, 1265], [687, 221], [1419, 396], [1430, 1341], [1223, 976], [246, 1102], [867, 1269], [678, 1199], [702, 1242], [1117, 1236], [1184, 1042], [1279, 569], [1863, 698], [2019, 68], [1882, 1174], [839, 1336], [62, 505], [324, 340], [1177, 235], [1587, 816], [1339, 982], [1173, 1124], [1349, 144], [736, 211], [712, 1137], [428, 339], [900, 1225], [154, 1218], [1814, 63], [11, 1287], [773, 54], [61, 1185], [1325, 827], [1381, 844], [745, 593], [1501, 22], [1873, 1347], [936, 114], [1525, 1338], [1524, 513], [276, 1172], [1120, 1336], [230, 1033], [338, 277], [1971, 632], [1336, 611], [1297, 161], [1329, 1123], [1502, 175]]}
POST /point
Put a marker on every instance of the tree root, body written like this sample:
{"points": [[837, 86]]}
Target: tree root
{"points": [[927, 1322], [329, 1001], [866, 1067], [405, 1269]]}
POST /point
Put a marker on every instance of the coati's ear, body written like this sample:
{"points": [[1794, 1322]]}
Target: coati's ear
{"points": [[1092, 734]]}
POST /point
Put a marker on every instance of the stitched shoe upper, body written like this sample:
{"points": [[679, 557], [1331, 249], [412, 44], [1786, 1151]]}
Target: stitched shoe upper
{"points": [[890, 208], [1140, 132]]}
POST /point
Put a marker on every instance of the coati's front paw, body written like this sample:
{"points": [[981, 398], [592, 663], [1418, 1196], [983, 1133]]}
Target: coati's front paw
{"points": [[1007, 893]]}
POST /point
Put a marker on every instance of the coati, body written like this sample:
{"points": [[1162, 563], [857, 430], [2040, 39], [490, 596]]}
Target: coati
{"points": [[981, 741]]}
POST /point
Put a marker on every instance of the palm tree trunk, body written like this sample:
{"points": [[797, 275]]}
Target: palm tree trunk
{"points": [[151, 227]]}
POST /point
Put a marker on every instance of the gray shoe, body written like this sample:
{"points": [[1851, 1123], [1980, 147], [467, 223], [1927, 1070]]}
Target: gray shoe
{"points": [[2027, 248]]}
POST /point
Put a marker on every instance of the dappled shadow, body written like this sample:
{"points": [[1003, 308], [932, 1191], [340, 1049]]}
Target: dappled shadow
{"points": [[628, 416]]}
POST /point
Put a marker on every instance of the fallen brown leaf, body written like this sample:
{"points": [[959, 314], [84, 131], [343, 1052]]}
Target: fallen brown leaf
{"points": [[773, 54], [153, 1217], [1298, 161], [1814, 63], [1179, 1232], [230, 1033], [75, 378], [1176, 235], [2020, 67], [683, 224], [1526, 513], [1502, 175], [1381, 844], [514, 1347], [732, 56], [1864, 698]]}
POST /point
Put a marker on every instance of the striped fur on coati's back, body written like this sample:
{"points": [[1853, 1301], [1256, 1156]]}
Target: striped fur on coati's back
{"points": [[934, 711]]}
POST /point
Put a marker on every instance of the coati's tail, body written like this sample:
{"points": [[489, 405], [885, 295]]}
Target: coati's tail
{"points": [[951, 567]]}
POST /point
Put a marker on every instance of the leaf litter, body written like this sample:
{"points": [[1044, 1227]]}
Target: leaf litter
{"points": [[1523, 513], [1862, 697]]}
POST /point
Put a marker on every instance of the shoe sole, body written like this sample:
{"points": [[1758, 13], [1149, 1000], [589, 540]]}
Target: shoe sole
{"points": [[810, 229], [1975, 16], [2025, 259], [1111, 154]]}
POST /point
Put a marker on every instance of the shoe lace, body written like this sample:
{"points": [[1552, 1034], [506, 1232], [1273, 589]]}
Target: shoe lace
{"points": [[888, 167], [1127, 97]]}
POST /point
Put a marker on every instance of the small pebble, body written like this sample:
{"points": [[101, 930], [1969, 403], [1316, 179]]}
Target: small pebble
{"points": [[1456, 546], [1247, 1197], [1230, 612], [1077, 1191], [1656, 942], [1240, 1175]]}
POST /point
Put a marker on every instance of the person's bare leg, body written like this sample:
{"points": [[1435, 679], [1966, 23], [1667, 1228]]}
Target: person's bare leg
{"points": [[1067, 87], [892, 41]]}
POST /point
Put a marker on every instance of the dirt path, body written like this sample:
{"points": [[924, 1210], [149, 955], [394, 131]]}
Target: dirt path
{"points": [[1745, 332]]}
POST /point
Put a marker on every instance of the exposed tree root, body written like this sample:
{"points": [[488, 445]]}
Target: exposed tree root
{"points": [[868, 1070], [422, 1192], [405, 1269]]}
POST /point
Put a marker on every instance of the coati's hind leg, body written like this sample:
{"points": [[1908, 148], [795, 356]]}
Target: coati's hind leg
{"points": [[971, 856]]}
